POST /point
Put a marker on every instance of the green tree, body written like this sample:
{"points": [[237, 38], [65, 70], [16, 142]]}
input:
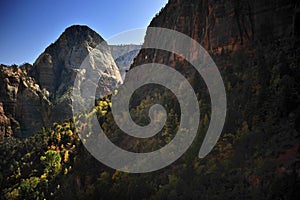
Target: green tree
{"points": [[32, 188], [52, 163]]}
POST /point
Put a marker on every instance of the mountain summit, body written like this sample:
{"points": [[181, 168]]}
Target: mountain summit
{"points": [[48, 83], [65, 55], [56, 68]]}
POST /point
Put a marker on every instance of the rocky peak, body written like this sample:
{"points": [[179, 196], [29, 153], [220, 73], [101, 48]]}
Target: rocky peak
{"points": [[56, 68], [36, 96], [66, 53], [76, 35]]}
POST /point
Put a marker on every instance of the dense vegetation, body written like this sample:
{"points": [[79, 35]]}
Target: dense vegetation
{"points": [[256, 157]]}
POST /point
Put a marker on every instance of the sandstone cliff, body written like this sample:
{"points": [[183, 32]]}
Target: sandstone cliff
{"points": [[255, 45], [228, 26], [27, 105]]}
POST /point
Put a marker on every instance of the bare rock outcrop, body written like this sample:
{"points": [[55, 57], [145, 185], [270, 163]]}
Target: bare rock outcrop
{"points": [[35, 96], [228, 26], [5, 127], [55, 70], [23, 100]]}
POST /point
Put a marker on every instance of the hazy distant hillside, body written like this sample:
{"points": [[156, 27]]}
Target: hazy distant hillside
{"points": [[119, 50], [124, 56]]}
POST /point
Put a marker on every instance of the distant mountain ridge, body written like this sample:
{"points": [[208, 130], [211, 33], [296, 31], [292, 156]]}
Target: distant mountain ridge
{"points": [[119, 50], [124, 56]]}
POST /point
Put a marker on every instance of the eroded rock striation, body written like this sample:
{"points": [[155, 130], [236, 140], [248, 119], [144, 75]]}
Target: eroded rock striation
{"points": [[228, 26]]}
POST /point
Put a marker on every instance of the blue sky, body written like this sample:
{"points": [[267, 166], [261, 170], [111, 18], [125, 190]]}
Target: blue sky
{"points": [[28, 27]]}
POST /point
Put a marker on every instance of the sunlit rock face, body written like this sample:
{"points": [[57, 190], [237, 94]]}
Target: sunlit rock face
{"points": [[57, 67], [37, 95]]}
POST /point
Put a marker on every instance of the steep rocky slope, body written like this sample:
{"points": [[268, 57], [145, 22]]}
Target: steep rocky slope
{"points": [[27, 105], [255, 45], [227, 26], [252, 43], [5, 127], [38, 95], [56, 68]]}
